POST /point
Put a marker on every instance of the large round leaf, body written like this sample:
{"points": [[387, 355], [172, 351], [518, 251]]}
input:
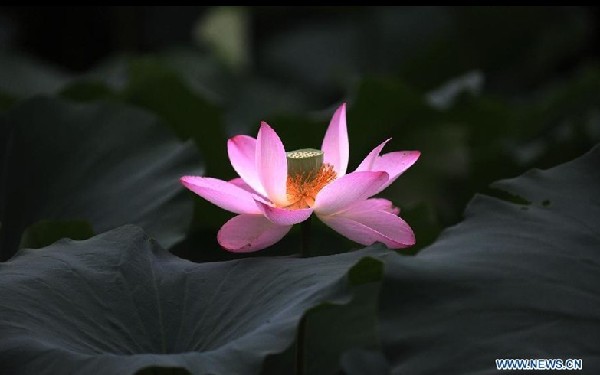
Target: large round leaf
{"points": [[105, 163], [118, 303], [23, 77], [511, 281]]}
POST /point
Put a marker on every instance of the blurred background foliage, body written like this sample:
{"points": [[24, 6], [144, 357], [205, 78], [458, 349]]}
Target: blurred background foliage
{"points": [[484, 92]]}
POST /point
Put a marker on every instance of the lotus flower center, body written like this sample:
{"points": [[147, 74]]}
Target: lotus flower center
{"points": [[307, 175]]}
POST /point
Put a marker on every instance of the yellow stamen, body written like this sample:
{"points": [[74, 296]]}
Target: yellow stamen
{"points": [[302, 187]]}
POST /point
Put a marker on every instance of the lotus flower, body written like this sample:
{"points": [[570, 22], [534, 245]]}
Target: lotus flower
{"points": [[277, 190]]}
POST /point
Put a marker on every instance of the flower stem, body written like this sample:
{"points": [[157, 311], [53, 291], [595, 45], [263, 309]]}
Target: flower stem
{"points": [[306, 225], [300, 344], [301, 338]]}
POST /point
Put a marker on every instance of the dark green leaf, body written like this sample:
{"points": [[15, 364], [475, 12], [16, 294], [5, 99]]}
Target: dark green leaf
{"points": [[118, 303], [156, 370], [364, 362], [370, 270], [104, 163], [155, 87], [333, 330], [328, 331], [504, 283], [516, 47], [6, 101], [84, 91], [23, 77]]}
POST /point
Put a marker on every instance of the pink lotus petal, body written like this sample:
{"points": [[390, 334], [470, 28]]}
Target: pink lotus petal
{"points": [[344, 191], [367, 163], [284, 216], [242, 155], [378, 204], [369, 226], [247, 233], [271, 164], [222, 194], [335, 143], [395, 163], [242, 185]]}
